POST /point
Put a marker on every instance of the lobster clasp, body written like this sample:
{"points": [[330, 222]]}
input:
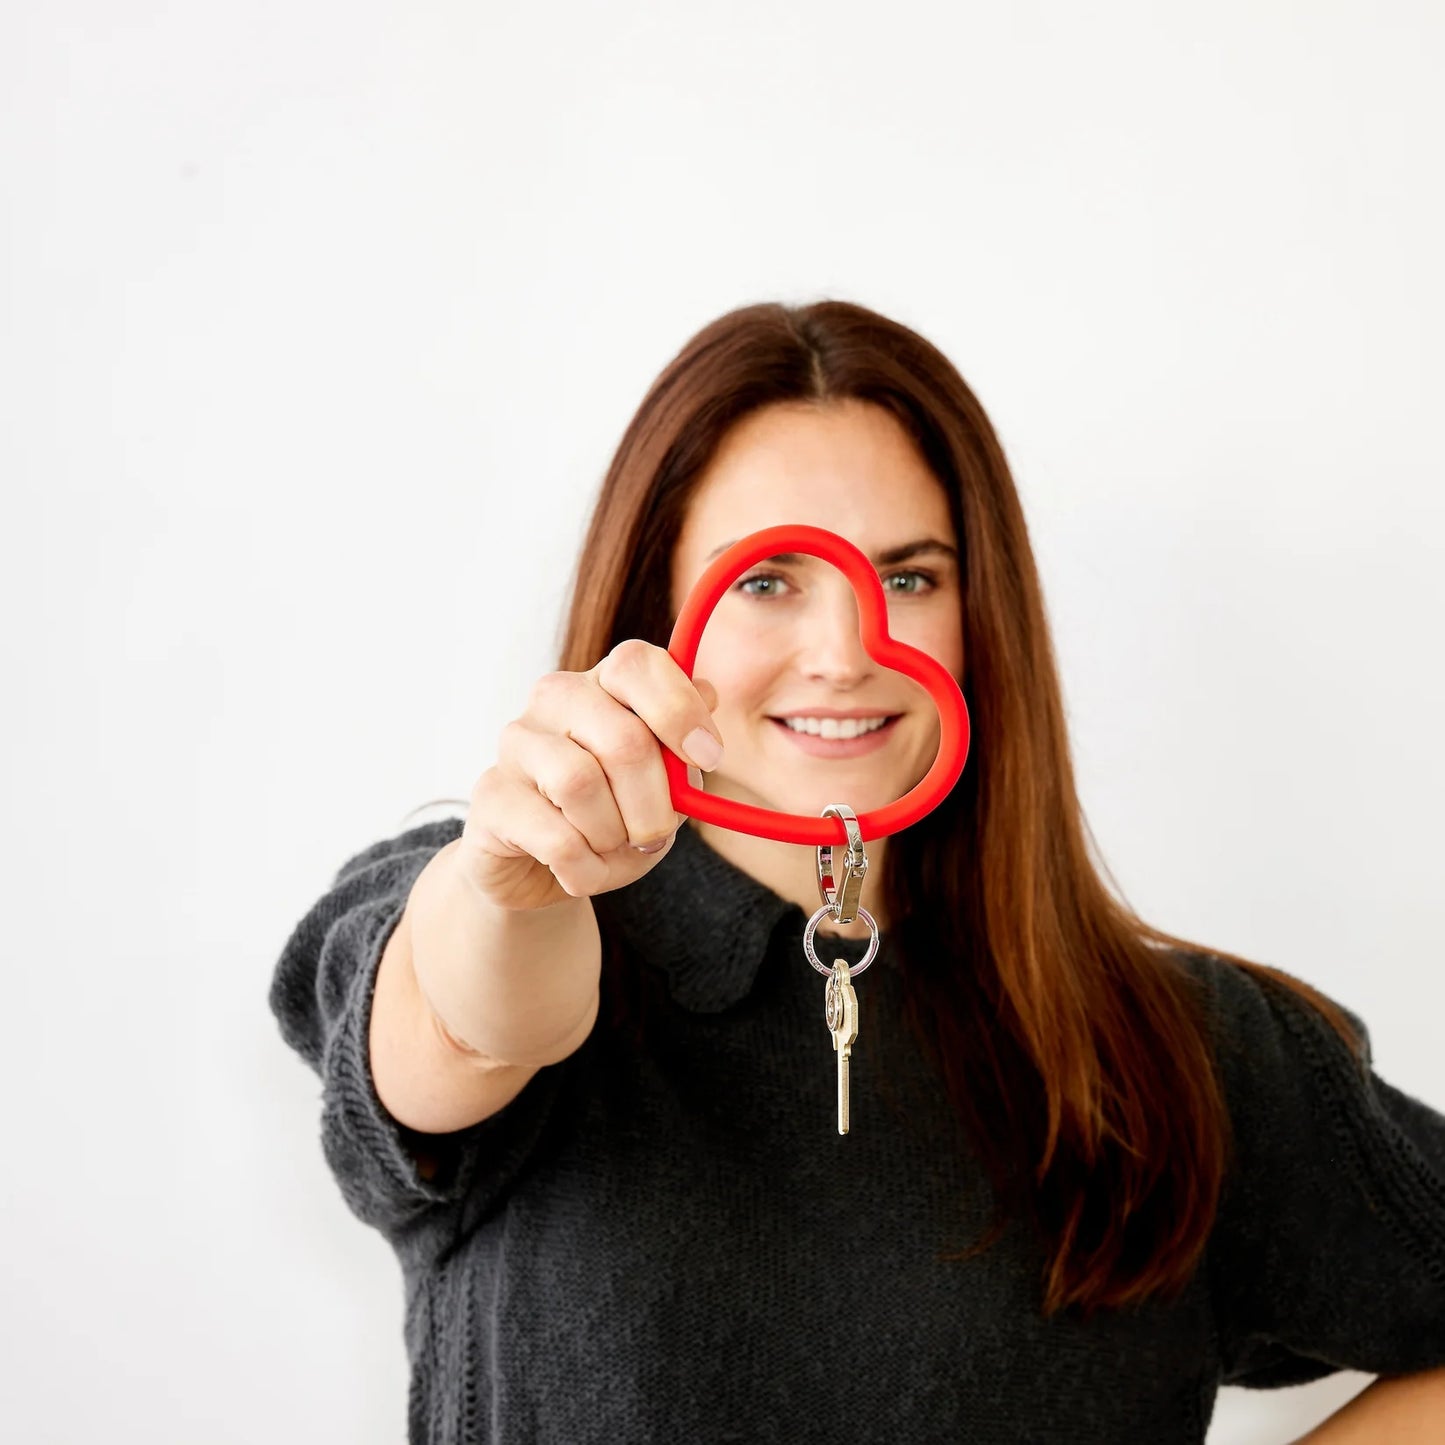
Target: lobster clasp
{"points": [[843, 893]]}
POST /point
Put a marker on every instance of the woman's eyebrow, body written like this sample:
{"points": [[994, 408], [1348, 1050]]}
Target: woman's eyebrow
{"points": [[880, 559]]}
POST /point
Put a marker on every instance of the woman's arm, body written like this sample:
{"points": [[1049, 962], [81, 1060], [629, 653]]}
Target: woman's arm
{"points": [[509, 982], [1392, 1410]]}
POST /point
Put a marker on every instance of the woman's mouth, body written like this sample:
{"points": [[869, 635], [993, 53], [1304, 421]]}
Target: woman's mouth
{"points": [[817, 746]]}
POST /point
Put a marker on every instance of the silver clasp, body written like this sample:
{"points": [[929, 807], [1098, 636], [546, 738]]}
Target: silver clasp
{"points": [[843, 896]]}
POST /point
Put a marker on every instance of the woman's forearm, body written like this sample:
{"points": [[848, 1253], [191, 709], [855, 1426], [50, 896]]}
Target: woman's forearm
{"points": [[513, 986], [1393, 1410]]}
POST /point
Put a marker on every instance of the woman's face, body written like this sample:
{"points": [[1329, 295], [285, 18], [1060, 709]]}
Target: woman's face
{"points": [[784, 638]]}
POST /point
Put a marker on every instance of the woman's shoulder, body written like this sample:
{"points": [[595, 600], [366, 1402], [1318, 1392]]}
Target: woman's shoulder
{"points": [[1282, 1064], [1261, 1016], [1329, 1247]]}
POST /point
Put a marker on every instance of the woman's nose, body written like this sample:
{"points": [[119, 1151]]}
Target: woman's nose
{"points": [[832, 626]]}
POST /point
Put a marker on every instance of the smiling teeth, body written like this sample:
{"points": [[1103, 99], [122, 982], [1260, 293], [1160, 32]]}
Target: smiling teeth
{"points": [[832, 727]]}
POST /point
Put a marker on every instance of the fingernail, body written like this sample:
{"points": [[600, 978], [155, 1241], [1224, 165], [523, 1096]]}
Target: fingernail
{"points": [[656, 847], [702, 748]]}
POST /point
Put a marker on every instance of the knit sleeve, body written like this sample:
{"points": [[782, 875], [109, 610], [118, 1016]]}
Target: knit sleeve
{"points": [[397, 1179], [1329, 1249]]}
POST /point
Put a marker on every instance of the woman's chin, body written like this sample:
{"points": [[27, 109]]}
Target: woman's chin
{"points": [[789, 797]]}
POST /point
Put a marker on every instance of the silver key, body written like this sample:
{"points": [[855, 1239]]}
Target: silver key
{"points": [[841, 1009]]}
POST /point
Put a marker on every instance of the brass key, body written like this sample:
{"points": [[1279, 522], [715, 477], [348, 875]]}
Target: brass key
{"points": [[841, 1008]]}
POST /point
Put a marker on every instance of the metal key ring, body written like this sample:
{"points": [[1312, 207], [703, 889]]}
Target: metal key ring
{"points": [[854, 969]]}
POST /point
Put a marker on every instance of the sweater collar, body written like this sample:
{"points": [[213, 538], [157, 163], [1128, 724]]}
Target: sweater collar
{"points": [[708, 924]]}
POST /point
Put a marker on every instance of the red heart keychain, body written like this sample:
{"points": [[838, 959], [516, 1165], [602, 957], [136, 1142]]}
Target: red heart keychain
{"points": [[873, 619]]}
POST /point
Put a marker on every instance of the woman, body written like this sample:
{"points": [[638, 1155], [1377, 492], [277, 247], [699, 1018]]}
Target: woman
{"points": [[1094, 1170]]}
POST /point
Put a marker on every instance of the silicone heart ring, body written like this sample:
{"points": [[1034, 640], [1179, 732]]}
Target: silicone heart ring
{"points": [[873, 628]]}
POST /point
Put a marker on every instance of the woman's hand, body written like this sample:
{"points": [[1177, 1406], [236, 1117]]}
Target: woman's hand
{"points": [[579, 783], [1390, 1410]]}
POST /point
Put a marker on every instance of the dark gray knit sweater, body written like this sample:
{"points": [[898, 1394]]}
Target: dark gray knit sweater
{"points": [[680, 1247]]}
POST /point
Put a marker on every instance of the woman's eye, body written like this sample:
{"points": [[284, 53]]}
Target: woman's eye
{"points": [[758, 577], [774, 577], [928, 577]]}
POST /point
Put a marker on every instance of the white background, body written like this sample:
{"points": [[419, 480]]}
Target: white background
{"points": [[320, 325]]}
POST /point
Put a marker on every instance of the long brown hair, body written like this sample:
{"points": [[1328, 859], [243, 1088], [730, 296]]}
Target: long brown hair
{"points": [[1073, 1049]]}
